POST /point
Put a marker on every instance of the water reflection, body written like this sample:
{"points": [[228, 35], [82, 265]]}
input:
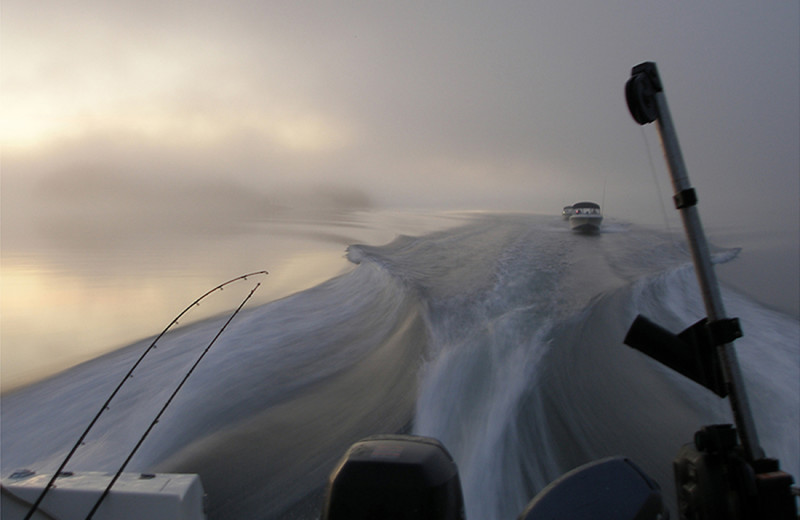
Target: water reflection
{"points": [[64, 305]]}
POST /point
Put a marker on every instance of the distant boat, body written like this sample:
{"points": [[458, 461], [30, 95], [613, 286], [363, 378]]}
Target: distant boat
{"points": [[566, 212], [585, 217]]}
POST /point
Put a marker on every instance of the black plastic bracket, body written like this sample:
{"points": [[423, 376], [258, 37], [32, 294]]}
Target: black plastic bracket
{"points": [[692, 353], [640, 92], [685, 198], [650, 71], [724, 331]]}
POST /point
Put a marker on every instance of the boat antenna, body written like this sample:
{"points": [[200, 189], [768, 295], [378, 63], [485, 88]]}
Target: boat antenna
{"points": [[704, 352], [129, 375]]}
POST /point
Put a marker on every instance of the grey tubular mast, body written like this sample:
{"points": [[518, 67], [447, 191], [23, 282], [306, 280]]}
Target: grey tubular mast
{"points": [[647, 103]]}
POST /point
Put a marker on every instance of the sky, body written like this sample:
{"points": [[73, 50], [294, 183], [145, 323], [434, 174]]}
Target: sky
{"points": [[118, 117], [466, 105]]}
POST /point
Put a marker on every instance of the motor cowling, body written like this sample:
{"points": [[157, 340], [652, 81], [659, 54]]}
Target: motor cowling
{"points": [[395, 477]]}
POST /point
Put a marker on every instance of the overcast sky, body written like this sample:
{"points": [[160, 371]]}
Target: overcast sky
{"points": [[514, 105]]}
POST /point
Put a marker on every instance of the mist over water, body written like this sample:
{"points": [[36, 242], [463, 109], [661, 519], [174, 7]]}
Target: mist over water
{"points": [[151, 154], [81, 278], [499, 334]]}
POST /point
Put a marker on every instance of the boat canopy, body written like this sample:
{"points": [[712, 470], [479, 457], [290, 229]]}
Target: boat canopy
{"points": [[582, 209]]}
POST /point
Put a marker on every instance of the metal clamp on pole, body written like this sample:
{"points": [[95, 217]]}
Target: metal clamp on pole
{"points": [[704, 352]]}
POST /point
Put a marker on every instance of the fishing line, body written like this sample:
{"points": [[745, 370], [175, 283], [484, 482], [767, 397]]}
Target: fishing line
{"points": [[655, 181], [167, 403], [129, 375]]}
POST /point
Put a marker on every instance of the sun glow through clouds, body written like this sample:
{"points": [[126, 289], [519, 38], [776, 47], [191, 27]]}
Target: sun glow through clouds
{"points": [[185, 95]]}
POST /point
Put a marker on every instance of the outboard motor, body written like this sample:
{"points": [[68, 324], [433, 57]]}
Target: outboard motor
{"points": [[395, 477], [406, 477]]}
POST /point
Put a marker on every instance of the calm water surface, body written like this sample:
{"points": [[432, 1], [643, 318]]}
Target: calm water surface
{"points": [[68, 299]]}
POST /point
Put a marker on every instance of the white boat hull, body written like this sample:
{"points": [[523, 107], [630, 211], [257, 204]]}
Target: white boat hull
{"points": [[585, 223], [158, 496]]}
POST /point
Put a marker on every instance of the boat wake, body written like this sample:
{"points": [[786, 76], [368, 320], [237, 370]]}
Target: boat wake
{"points": [[501, 337]]}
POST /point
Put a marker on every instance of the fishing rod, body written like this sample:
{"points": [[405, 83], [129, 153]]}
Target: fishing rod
{"points": [[718, 477], [167, 403], [129, 375]]}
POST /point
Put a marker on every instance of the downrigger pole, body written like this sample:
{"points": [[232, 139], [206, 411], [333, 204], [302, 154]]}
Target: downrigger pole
{"points": [[718, 477]]}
